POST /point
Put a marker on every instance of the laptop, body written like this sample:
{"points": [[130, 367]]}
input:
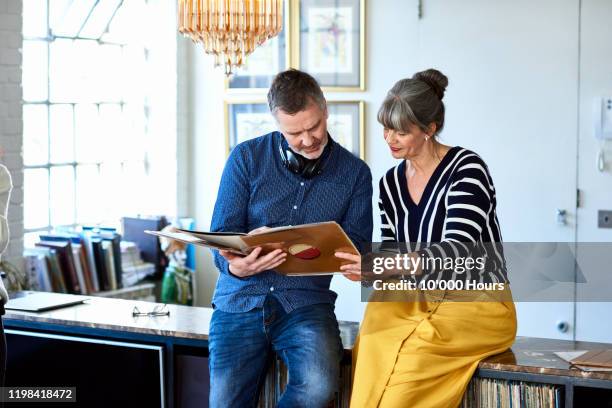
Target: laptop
{"points": [[41, 301]]}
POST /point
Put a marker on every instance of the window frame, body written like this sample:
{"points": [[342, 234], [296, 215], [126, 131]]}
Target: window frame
{"points": [[48, 103]]}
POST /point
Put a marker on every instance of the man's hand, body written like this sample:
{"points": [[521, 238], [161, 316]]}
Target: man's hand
{"points": [[252, 264]]}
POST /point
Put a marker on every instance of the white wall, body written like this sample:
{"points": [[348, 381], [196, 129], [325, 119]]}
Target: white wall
{"points": [[200, 114], [11, 123], [595, 186], [513, 97]]}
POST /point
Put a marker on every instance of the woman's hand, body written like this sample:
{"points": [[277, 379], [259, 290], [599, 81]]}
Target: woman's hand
{"points": [[352, 270], [252, 264]]}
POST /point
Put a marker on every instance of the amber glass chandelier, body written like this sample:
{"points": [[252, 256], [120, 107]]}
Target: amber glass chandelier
{"points": [[230, 29]]}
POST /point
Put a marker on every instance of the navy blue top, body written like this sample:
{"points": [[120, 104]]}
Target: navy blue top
{"points": [[257, 190]]}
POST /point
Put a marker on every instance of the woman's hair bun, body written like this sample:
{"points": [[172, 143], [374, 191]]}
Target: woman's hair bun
{"points": [[436, 80]]}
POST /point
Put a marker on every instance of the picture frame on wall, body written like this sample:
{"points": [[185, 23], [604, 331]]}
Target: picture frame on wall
{"points": [[265, 62], [346, 126], [245, 120], [330, 42]]}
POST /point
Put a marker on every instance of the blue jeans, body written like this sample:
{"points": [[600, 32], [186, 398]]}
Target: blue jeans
{"points": [[241, 344]]}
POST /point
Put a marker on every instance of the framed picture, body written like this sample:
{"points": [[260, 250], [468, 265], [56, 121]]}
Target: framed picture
{"points": [[346, 125], [246, 120], [265, 62], [249, 119], [330, 42]]}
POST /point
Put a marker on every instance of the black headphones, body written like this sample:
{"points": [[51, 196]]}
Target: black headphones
{"points": [[300, 165]]}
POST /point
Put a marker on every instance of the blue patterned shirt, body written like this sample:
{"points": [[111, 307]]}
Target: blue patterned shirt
{"points": [[257, 190]]}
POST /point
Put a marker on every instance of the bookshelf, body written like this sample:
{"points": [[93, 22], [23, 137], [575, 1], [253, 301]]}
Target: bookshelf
{"points": [[182, 338], [530, 369], [532, 361]]}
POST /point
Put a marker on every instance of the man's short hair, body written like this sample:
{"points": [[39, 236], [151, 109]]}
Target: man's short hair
{"points": [[292, 91]]}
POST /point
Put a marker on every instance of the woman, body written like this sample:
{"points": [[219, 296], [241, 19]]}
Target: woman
{"points": [[422, 353]]}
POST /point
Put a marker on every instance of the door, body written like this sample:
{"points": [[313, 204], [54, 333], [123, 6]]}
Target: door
{"points": [[512, 98], [595, 185]]}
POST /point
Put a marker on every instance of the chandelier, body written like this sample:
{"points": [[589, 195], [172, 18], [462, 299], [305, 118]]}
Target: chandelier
{"points": [[230, 29]]}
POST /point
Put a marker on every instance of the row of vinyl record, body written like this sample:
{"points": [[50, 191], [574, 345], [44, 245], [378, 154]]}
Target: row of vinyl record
{"points": [[480, 393], [487, 392], [85, 262], [277, 378]]}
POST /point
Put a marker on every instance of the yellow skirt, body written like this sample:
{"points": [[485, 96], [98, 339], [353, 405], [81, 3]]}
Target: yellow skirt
{"points": [[424, 353]]}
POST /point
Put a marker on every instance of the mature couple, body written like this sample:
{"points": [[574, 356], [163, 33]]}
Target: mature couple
{"points": [[418, 353]]}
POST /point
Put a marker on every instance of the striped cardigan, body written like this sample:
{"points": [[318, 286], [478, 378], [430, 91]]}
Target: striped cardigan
{"points": [[455, 217]]}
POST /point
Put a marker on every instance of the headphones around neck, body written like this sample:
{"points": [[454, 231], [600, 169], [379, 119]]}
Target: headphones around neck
{"points": [[300, 165]]}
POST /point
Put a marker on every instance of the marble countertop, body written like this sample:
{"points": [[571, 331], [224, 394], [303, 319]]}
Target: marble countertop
{"points": [[187, 322], [116, 314], [536, 356], [528, 355]]}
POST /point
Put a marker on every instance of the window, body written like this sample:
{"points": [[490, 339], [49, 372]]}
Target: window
{"points": [[99, 90]]}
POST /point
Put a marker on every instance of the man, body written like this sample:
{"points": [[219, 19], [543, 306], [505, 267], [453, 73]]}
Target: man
{"points": [[295, 176]]}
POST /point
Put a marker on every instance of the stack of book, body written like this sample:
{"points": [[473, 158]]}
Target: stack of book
{"points": [[134, 268], [487, 392], [83, 262]]}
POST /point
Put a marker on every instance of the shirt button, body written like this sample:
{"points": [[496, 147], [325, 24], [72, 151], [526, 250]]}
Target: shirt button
{"points": [[302, 183], [271, 288], [295, 207]]}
